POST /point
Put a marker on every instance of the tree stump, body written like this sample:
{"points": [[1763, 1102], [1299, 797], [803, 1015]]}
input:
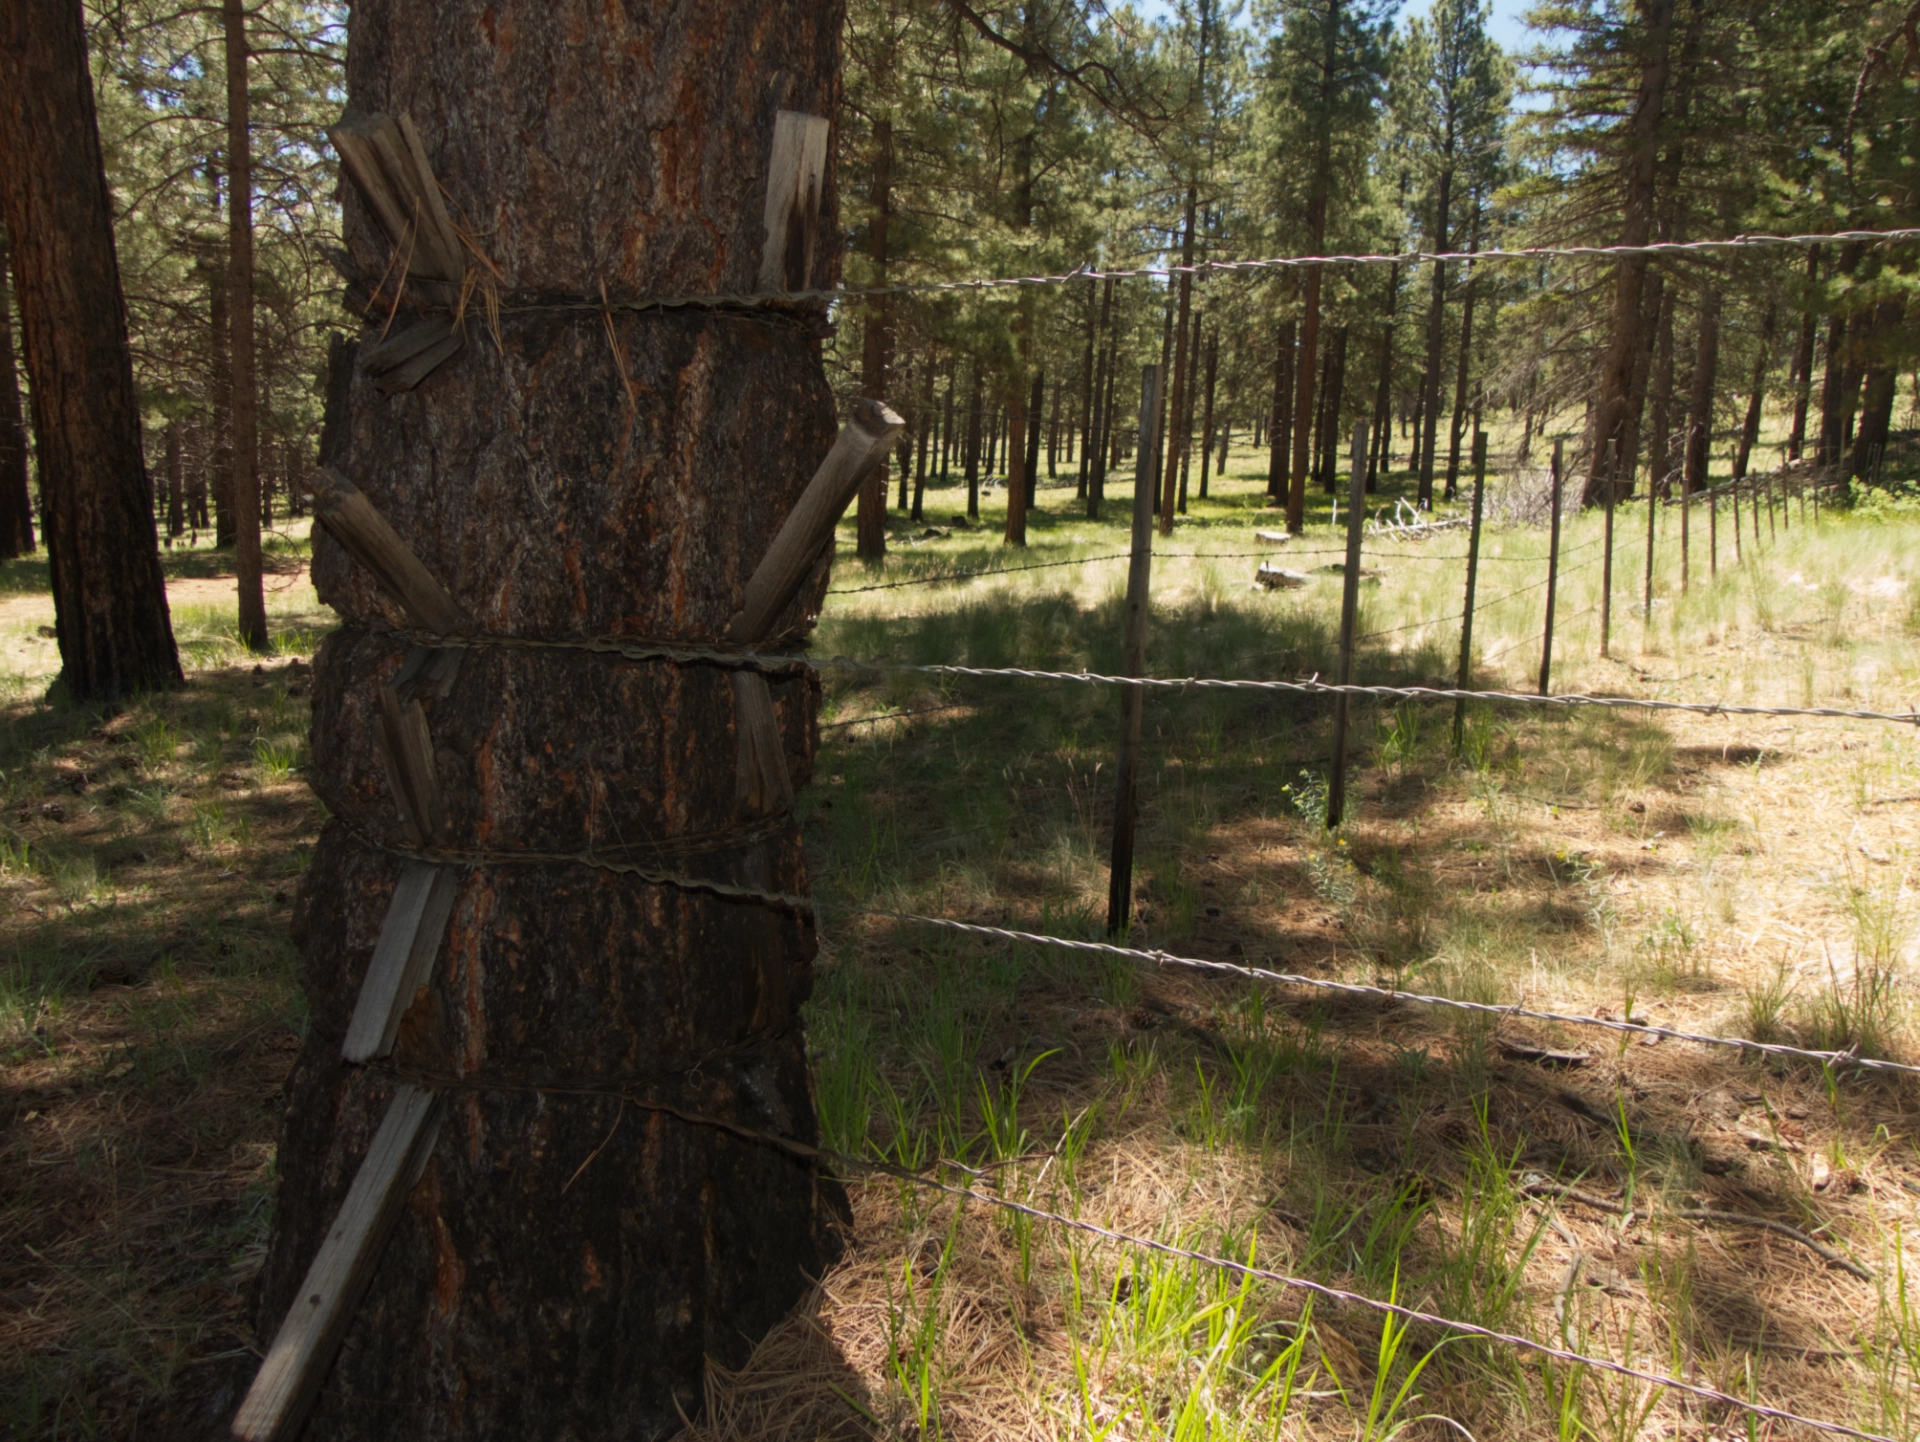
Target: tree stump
{"points": [[568, 1260]]}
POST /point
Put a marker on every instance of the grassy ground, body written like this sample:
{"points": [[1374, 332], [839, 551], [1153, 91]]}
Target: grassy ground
{"points": [[1747, 875]]}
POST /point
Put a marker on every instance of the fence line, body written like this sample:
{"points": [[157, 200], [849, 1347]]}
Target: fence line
{"points": [[1322, 688], [844, 295], [1374, 1304], [1350, 988]]}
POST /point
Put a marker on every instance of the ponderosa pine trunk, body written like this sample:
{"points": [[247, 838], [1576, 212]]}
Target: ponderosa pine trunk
{"points": [[1462, 375], [1881, 378], [1383, 396], [566, 1265], [96, 499], [1700, 401], [1639, 172], [243, 484], [1206, 411], [176, 484], [1176, 441], [16, 501], [1803, 359], [1756, 394]]}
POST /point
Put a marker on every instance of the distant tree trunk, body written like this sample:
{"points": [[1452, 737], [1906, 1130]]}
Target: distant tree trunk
{"points": [[1280, 424], [972, 458], [1750, 425], [1016, 532], [109, 599], [1100, 442], [1640, 171], [1419, 426], [1176, 442], [244, 484], [1882, 377], [1436, 345], [567, 1264], [1660, 446], [928, 420], [1328, 429], [946, 424], [993, 443], [1206, 413], [877, 340], [1036, 400], [197, 478], [1706, 363], [16, 500], [1184, 420], [1053, 435], [176, 512], [1627, 458], [220, 455], [1383, 396], [1803, 360], [1089, 390], [1462, 374]]}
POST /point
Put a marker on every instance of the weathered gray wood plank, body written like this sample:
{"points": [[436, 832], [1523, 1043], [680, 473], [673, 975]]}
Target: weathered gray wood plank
{"points": [[403, 957], [304, 1347], [796, 176], [353, 521]]}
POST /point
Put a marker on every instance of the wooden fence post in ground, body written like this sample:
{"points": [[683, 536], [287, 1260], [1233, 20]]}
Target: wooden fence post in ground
{"points": [[1133, 656], [1473, 577], [1349, 609], [1553, 568], [1606, 564]]}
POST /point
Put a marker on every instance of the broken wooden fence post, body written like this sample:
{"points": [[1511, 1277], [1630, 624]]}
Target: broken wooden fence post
{"points": [[1553, 568], [1133, 653], [303, 1348], [1349, 612], [1473, 577]]}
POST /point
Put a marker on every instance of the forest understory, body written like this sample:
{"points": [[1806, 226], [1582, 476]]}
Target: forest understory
{"points": [[1743, 876]]}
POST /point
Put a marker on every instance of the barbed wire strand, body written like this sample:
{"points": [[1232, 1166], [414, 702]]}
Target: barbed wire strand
{"points": [[852, 294], [1395, 1309], [1348, 988], [1565, 701]]}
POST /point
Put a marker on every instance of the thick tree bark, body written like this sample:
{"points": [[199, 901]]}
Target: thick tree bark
{"points": [[870, 524], [567, 1263], [110, 602], [243, 485], [1640, 169], [16, 501]]}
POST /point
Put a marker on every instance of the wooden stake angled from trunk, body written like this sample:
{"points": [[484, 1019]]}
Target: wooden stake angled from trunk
{"points": [[1349, 614], [303, 1348], [351, 519], [403, 957], [406, 751]]}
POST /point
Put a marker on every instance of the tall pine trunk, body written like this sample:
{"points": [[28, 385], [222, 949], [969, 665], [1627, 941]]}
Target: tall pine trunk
{"points": [[1803, 360], [1176, 443], [1706, 366], [1206, 412], [176, 509], [16, 502], [870, 525], [243, 484], [567, 1263], [96, 499], [1639, 170], [1756, 391], [1462, 375]]}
